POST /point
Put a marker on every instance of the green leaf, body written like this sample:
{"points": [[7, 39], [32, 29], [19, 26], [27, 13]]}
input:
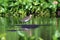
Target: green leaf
{"points": [[58, 0]]}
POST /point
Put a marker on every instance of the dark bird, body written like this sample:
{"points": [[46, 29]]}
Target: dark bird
{"points": [[26, 19]]}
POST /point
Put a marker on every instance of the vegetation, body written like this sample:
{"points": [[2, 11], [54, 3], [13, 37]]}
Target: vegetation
{"points": [[12, 11], [19, 8]]}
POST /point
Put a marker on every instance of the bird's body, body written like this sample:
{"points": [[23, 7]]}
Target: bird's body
{"points": [[26, 19]]}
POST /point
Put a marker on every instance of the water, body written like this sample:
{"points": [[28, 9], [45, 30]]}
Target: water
{"points": [[44, 32]]}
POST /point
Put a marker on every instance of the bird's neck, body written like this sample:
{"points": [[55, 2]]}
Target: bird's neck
{"points": [[30, 16]]}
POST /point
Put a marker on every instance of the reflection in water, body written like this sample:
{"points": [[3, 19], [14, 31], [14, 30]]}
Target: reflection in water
{"points": [[45, 32]]}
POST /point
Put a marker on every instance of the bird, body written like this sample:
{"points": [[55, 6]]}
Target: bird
{"points": [[26, 19], [27, 27]]}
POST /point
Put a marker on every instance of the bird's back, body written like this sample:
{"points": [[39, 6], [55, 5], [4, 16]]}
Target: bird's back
{"points": [[25, 19]]}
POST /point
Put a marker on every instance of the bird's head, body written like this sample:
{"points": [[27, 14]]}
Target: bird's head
{"points": [[30, 15], [55, 2]]}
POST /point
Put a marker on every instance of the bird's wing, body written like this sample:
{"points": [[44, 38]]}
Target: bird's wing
{"points": [[25, 19]]}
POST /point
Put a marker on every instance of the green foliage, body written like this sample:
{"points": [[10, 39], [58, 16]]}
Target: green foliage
{"points": [[3, 24], [11, 11], [35, 7]]}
